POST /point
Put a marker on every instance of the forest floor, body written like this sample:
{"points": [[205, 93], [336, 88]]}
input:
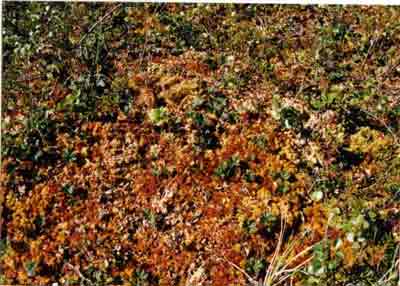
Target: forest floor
{"points": [[170, 144]]}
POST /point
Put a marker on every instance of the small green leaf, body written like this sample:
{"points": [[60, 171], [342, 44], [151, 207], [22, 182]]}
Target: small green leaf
{"points": [[227, 168], [250, 226], [317, 196], [290, 118], [68, 189], [150, 217], [282, 188], [255, 265], [269, 221], [3, 247], [158, 116], [30, 268], [69, 155]]}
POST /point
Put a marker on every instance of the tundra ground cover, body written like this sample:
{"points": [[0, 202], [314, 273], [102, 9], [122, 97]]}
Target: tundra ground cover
{"points": [[166, 144]]}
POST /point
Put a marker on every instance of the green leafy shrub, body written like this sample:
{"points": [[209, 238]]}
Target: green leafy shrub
{"points": [[150, 217], [269, 222], [205, 131], [283, 180], [69, 155], [323, 264], [255, 266], [249, 226], [394, 189], [260, 141], [291, 118], [68, 189], [182, 32], [250, 176], [30, 268], [142, 277], [327, 99], [159, 116], [228, 168]]}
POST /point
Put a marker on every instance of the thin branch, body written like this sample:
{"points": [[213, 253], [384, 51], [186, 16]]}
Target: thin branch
{"points": [[395, 264], [396, 139], [296, 268], [303, 252], [390, 68], [368, 53], [251, 280], [383, 122], [76, 270], [275, 265], [29, 78], [97, 23]]}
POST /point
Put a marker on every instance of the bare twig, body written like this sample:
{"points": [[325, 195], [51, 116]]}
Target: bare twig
{"points": [[76, 270], [272, 266], [251, 280], [394, 66], [30, 78], [396, 139], [292, 270], [302, 253], [394, 270], [278, 270], [97, 23], [373, 41]]}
